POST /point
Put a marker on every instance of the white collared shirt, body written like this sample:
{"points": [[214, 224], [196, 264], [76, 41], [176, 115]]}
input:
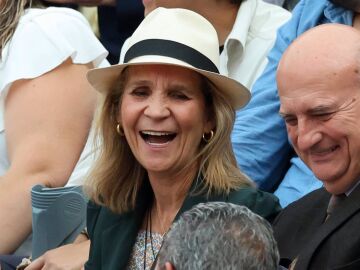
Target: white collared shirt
{"points": [[252, 37]]}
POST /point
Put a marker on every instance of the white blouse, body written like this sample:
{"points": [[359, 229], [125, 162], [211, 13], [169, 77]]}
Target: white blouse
{"points": [[44, 39]]}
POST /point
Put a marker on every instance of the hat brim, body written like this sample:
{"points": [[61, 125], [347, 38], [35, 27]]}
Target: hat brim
{"points": [[103, 79]]}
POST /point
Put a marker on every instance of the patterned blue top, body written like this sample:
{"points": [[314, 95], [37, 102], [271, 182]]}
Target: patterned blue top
{"points": [[137, 256]]}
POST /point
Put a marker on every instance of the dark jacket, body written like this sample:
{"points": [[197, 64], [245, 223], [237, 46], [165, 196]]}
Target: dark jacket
{"points": [[301, 232], [113, 236]]}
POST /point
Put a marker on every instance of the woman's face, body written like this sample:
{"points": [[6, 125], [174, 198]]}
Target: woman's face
{"points": [[163, 114]]}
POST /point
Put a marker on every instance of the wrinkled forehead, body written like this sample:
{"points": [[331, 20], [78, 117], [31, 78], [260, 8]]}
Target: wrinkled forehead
{"points": [[323, 88], [319, 98], [318, 75]]}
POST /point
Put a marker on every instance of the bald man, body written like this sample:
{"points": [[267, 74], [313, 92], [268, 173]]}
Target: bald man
{"points": [[319, 88]]}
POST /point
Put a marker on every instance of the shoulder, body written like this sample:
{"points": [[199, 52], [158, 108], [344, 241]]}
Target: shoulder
{"points": [[44, 39], [52, 15], [260, 202], [314, 201], [314, 197], [306, 14], [52, 27], [50, 22]]}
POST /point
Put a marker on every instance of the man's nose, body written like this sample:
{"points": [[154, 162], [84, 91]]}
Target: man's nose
{"points": [[308, 134]]}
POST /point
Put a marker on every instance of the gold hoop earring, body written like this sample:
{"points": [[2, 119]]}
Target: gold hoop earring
{"points": [[207, 137], [119, 130]]}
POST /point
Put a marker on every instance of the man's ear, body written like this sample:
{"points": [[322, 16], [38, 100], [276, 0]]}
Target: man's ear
{"points": [[169, 266]]}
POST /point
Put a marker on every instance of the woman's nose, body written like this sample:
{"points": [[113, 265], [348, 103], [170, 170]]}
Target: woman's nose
{"points": [[157, 107]]}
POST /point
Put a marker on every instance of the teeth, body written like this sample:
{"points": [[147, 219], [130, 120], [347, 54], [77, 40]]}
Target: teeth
{"points": [[325, 151], [156, 133]]}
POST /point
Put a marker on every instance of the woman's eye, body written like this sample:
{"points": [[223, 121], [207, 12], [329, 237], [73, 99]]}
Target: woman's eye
{"points": [[179, 95], [140, 92]]}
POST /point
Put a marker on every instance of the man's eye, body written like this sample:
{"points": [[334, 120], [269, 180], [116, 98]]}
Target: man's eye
{"points": [[290, 121], [324, 116], [179, 95]]}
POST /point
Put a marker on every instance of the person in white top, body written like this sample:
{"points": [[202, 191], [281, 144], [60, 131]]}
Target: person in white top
{"points": [[46, 107], [246, 30]]}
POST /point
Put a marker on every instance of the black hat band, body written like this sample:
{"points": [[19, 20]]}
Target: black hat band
{"points": [[171, 49]]}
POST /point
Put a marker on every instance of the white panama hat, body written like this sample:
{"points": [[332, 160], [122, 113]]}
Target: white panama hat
{"points": [[177, 37]]}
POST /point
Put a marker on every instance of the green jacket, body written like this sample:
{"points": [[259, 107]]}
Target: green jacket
{"points": [[113, 236]]}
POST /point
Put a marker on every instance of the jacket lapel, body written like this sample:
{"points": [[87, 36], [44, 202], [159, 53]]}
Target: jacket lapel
{"points": [[120, 237], [347, 209], [196, 196]]}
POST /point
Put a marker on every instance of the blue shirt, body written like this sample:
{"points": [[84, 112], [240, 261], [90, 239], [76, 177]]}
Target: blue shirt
{"points": [[259, 137]]}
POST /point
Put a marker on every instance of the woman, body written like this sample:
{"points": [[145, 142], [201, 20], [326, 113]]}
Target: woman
{"points": [[165, 125], [46, 107]]}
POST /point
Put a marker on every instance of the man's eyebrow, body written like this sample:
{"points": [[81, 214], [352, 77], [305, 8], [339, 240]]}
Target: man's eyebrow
{"points": [[284, 114], [320, 109]]}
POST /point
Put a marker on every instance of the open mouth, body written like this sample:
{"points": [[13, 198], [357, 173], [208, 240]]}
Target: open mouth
{"points": [[322, 155], [157, 137], [326, 151]]}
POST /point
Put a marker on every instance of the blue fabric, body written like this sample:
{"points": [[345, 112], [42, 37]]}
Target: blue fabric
{"points": [[259, 137]]}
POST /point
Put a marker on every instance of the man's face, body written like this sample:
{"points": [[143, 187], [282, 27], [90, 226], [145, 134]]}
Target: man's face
{"points": [[322, 114], [353, 5]]}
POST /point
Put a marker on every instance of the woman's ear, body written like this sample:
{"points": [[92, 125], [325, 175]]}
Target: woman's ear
{"points": [[118, 117], [209, 125]]}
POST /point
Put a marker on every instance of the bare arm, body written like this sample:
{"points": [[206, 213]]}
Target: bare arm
{"points": [[47, 121]]}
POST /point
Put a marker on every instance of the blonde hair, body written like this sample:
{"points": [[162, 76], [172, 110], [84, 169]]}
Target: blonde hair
{"points": [[117, 176], [10, 14]]}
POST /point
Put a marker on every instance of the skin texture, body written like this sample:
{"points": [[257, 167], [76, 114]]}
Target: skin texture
{"points": [[44, 141], [318, 81]]}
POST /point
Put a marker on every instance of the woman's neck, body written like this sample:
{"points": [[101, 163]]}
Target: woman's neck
{"points": [[169, 195], [169, 192]]}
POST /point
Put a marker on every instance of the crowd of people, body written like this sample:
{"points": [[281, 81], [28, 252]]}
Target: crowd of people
{"points": [[204, 134]]}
